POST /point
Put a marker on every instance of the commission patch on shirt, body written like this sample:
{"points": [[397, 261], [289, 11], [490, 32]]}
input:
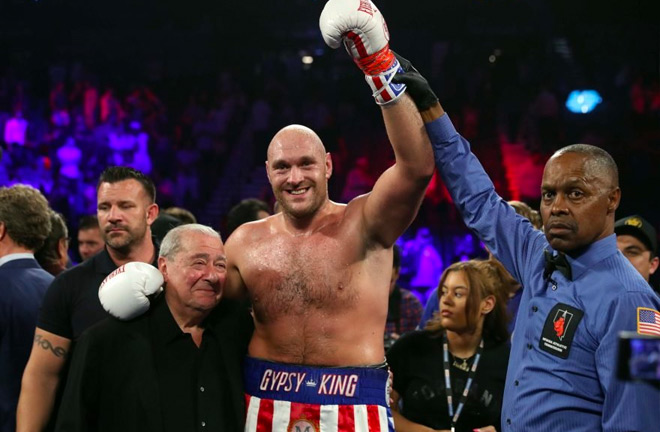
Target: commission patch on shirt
{"points": [[648, 321], [559, 330]]}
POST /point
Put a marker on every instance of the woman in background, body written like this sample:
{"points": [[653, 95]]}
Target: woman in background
{"points": [[462, 350]]}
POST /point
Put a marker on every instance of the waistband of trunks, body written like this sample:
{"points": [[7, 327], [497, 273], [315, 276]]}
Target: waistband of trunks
{"points": [[316, 385]]}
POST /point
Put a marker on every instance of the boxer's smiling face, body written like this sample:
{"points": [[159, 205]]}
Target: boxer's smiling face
{"points": [[298, 169]]}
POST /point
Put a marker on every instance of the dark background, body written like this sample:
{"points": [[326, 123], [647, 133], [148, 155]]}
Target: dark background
{"points": [[181, 48]]}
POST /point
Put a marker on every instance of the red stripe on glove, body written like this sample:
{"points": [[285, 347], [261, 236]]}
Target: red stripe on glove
{"points": [[378, 82], [359, 45]]}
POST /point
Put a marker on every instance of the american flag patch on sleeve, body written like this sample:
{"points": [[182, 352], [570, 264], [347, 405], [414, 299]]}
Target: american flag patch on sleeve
{"points": [[648, 321]]}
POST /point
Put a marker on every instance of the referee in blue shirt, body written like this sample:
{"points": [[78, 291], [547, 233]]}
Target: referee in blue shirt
{"points": [[579, 291]]}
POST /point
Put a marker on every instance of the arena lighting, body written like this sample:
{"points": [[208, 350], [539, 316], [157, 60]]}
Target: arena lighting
{"points": [[493, 57], [583, 101], [307, 59]]}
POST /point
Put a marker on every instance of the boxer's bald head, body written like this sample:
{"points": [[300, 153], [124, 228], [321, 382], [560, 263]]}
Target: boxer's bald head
{"points": [[295, 135], [298, 169]]}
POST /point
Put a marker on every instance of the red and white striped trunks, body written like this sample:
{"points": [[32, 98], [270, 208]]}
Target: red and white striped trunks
{"points": [[292, 398]]}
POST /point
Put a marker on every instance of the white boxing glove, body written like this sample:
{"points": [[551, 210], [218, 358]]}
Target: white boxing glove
{"points": [[123, 293], [360, 26]]}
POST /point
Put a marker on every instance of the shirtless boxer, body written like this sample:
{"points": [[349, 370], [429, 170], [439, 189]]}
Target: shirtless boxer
{"points": [[318, 272]]}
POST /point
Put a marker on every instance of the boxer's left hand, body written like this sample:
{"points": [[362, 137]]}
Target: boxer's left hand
{"points": [[360, 26]]}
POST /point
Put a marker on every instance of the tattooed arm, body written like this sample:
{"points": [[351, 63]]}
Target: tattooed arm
{"points": [[40, 380]]}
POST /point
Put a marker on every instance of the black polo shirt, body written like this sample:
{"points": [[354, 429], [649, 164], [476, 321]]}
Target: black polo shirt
{"points": [[192, 381], [71, 304]]}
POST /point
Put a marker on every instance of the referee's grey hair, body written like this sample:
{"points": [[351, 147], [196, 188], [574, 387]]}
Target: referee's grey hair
{"points": [[600, 160], [172, 242]]}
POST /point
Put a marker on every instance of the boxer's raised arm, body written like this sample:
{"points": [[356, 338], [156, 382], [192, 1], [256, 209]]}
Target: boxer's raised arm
{"points": [[398, 193]]}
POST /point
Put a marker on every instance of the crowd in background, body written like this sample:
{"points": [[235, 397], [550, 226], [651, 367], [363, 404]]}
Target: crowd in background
{"points": [[198, 118]]}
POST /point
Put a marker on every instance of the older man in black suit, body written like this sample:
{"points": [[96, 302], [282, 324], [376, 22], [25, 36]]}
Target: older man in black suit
{"points": [[175, 368]]}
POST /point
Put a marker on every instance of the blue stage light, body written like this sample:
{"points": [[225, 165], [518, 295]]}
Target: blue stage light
{"points": [[583, 101]]}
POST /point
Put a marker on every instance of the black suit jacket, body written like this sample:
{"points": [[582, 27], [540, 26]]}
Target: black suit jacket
{"points": [[112, 384], [23, 284]]}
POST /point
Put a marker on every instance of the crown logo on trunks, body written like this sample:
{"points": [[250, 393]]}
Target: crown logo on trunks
{"points": [[311, 383]]}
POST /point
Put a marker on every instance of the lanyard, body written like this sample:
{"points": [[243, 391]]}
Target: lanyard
{"points": [[445, 357]]}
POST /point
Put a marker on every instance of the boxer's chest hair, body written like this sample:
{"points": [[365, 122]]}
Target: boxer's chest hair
{"points": [[305, 276]]}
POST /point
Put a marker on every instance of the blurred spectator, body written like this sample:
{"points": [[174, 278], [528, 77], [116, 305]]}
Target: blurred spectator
{"points": [[53, 255], [184, 215], [358, 180], [248, 210], [90, 240], [122, 145], [187, 184], [90, 104], [111, 110], [525, 210], [16, 129], [60, 117], [69, 156], [404, 309], [637, 240], [170, 218], [427, 261], [141, 160], [163, 224]]}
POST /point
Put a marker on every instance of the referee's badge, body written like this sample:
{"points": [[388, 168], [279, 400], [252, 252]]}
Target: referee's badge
{"points": [[559, 330]]}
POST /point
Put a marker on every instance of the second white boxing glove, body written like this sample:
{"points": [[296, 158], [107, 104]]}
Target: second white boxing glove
{"points": [[124, 292]]}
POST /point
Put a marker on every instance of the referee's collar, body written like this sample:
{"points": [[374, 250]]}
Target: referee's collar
{"points": [[592, 255]]}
